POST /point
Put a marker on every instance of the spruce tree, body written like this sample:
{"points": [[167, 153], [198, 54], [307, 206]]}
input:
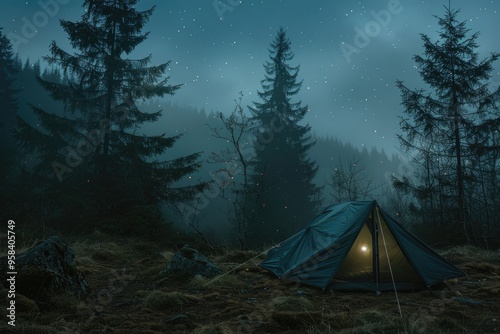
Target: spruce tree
{"points": [[93, 158], [8, 72], [439, 125], [283, 193]]}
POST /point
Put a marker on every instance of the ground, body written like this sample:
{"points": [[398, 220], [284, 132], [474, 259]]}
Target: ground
{"points": [[131, 294]]}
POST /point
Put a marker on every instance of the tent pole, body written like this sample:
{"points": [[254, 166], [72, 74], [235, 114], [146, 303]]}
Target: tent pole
{"points": [[375, 251]]}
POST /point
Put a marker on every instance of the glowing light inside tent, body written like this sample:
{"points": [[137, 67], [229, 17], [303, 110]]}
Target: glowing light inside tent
{"points": [[364, 249]]}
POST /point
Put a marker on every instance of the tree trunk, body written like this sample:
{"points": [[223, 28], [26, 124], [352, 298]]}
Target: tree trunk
{"points": [[460, 176]]}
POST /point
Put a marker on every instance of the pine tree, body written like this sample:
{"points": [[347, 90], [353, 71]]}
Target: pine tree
{"points": [[283, 189], [439, 124], [8, 71], [94, 159]]}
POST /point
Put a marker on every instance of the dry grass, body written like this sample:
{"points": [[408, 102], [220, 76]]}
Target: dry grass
{"points": [[247, 297], [332, 322], [313, 322], [99, 251], [420, 323], [30, 329], [221, 328], [167, 255], [481, 268], [366, 322], [468, 251], [65, 302], [375, 321], [25, 304], [492, 289], [95, 256], [295, 319], [322, 328], [102, 247], [225, 281], [160, 300], [238, 256], [292, 303]]}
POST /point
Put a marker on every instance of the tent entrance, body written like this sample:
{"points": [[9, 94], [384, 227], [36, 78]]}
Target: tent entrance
{"points": [[366, 261], [358, 264]]}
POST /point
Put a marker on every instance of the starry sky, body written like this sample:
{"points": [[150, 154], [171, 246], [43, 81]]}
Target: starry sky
{"points": [[218, 48]]}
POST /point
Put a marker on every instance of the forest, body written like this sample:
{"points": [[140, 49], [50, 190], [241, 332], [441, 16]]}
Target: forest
{"points": [[93, 148], [64, 131]]}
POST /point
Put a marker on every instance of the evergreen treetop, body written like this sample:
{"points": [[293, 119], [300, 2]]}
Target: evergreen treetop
{"points": [[95, 147], [283, 189], [442, 126]]}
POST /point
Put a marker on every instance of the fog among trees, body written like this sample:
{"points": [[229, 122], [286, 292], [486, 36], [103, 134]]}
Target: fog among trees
{"points": [[92, 141]]}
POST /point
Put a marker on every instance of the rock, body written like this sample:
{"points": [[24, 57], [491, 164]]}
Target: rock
{"points": [[191, 262], [47, 269]]}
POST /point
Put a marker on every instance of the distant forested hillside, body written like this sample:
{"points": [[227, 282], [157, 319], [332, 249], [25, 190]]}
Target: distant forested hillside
{"points": [[344, 172], [370, 175]]}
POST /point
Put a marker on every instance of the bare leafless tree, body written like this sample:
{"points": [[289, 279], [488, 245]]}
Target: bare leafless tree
{"points": [[350, 182], [232, 178]]}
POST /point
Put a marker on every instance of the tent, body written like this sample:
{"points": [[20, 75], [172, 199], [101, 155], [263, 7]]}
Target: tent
{"points": [[358, 246]]}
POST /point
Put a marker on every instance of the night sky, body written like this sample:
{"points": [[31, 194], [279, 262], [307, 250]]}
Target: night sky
{"points": [[217, 52]]}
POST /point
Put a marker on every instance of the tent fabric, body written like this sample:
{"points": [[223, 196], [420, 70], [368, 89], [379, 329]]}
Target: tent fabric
{"points": [[354, 246]]}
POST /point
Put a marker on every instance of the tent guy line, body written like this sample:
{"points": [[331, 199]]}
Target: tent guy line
{"points": [[390, 267]]}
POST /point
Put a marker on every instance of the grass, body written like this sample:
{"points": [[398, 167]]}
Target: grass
{"points": [[160, 300], [331, 323], [375, 321], [167, 255], [292, 303], [221, 328], [493, 289], [221, 304], [28, 234], [64, 302], [238, 256], [323, 328], [225, 281], [95, 256], [295, 319], [468, 251], [99, 250], [32, 329], [235, 261], [25, 304], [481, 268]]}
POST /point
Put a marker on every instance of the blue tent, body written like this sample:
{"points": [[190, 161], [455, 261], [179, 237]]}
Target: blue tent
{"points": [[358, 246]]}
